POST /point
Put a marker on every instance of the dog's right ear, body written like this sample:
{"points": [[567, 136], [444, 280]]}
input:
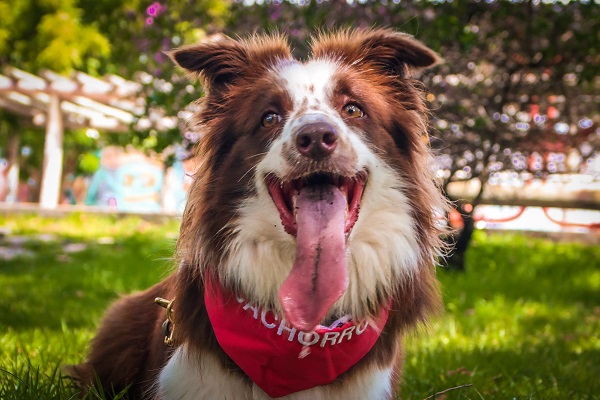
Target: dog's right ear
{"points": [[392, 52], [216, 60], [220, 60]]}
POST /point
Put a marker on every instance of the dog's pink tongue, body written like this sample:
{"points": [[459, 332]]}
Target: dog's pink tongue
{"points": [[318, 277]]}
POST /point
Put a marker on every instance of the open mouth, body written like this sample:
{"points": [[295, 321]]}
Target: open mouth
{"points": [[319, 210], [285, 195]]}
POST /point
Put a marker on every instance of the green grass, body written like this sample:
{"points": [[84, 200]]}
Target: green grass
{"points": [[50, 303], [522, 323]]}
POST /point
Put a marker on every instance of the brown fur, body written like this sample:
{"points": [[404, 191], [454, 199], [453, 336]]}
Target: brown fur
{"points": [[128, 349]]}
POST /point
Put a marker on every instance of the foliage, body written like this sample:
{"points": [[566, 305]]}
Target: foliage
{"points": [[127, 38], [48, 34], [99, 37], [519, 90], [145, 32], [523, 324]]}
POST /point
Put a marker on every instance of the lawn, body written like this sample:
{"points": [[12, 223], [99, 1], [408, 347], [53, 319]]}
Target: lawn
{"points": [[522, 323]]}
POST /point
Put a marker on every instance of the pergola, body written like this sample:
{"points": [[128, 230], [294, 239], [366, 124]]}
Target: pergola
{"points": [[77, 101]]}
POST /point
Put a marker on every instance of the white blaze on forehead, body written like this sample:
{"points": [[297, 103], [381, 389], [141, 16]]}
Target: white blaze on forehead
{"points": [[310, 86], [310, 83]]}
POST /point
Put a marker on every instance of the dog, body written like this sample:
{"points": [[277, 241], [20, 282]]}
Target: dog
{"points": [[308, 244]]}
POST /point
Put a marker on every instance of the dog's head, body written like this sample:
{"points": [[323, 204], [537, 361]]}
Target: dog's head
{"points": [[313, 197]]}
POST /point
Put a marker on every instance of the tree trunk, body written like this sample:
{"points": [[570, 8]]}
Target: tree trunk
{"points": [[460, 241]]}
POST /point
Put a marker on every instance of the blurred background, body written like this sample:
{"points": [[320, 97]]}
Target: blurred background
{"points": [[96, 158]]}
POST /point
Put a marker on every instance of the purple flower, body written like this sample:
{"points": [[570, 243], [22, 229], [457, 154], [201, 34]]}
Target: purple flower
{"points": [[152, 10], [155, 9], [159, 57]]}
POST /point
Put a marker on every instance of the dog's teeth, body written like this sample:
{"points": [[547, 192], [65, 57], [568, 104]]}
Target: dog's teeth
{"points": [[294, 207]]}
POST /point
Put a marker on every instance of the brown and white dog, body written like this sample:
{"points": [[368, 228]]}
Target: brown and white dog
{"points": [[308, 243]]}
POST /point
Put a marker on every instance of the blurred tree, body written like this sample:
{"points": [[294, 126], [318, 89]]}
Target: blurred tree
{"points": [[515, 99], [43, 34], [37, 34], [140, 32], [123, 37]]}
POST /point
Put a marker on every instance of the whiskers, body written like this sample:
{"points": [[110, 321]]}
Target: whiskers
{"points": [[254, 156]]}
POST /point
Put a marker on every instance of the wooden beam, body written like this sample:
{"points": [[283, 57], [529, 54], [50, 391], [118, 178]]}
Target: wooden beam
{"points": [[53, 156], [107, 99]]}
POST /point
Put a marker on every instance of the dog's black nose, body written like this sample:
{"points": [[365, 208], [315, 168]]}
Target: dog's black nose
{"points": [[316, 140]]}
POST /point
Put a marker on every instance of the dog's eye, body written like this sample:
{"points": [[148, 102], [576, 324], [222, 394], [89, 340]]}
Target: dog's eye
{"points": [[270, 120], [352, 111]]}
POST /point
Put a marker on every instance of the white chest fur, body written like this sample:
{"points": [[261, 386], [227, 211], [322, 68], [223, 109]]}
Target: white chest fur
{"points": [[187, 378]]}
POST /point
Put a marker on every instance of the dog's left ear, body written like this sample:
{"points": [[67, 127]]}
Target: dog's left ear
{"points": [[392, 51], [217, 60], [220, 61]]}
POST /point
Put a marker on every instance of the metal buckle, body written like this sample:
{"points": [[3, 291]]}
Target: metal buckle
{"points": [[168, 326]]}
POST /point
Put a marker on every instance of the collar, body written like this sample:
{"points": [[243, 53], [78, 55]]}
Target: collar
{"points": [[278, 358]]}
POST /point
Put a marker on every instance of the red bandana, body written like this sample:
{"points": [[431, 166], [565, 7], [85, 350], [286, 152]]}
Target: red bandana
{"points": [[277, 357]]}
